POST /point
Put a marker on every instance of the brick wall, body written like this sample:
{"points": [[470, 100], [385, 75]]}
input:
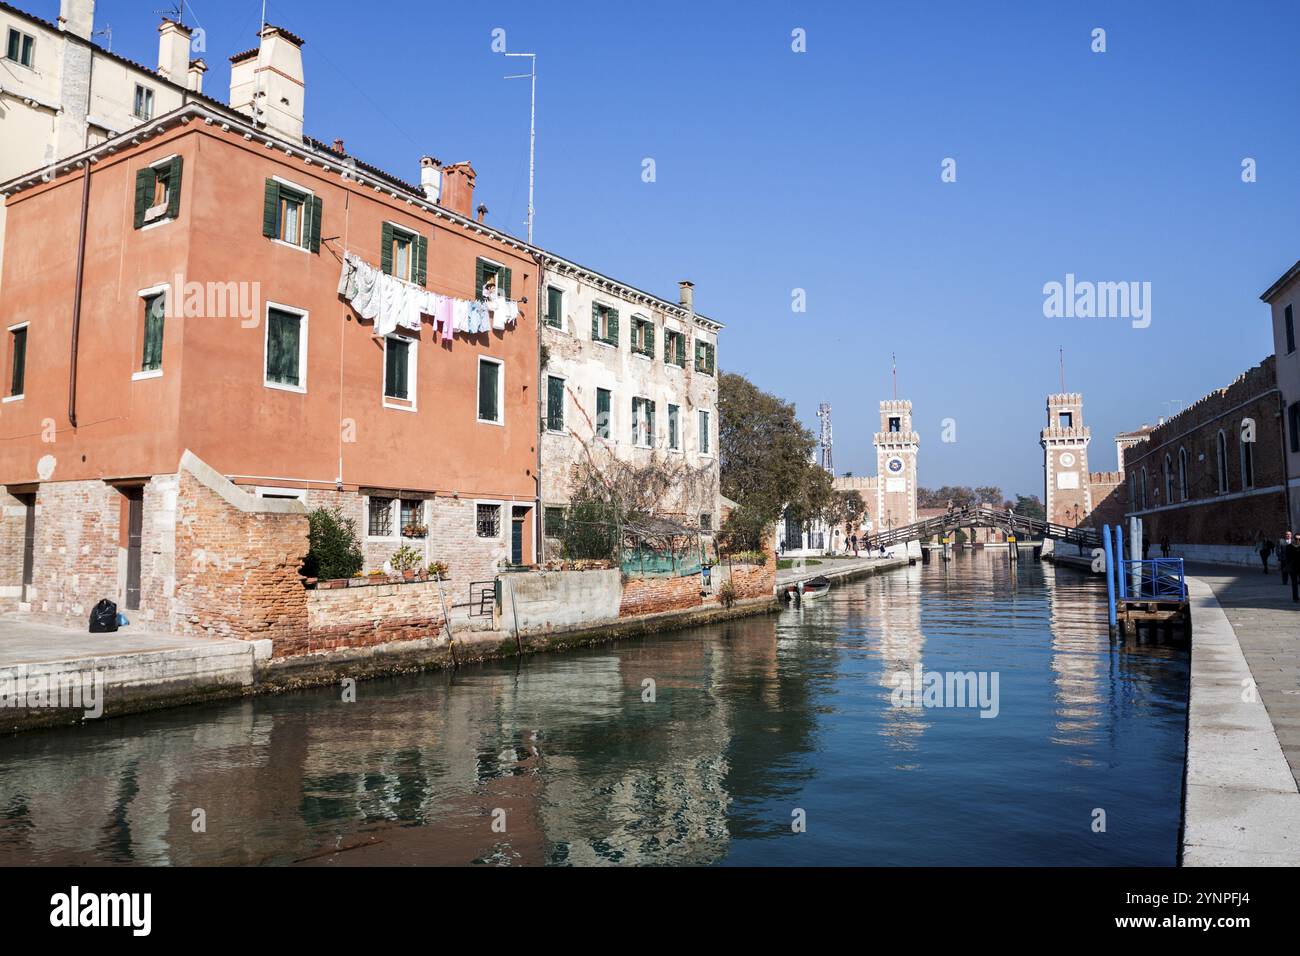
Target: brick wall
{"points": [[364, 616], [75, 559], [237, 562], [12, 522], [754, 581], [658, 594]]}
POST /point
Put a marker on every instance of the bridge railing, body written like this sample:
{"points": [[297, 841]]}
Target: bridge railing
{"points": [[1155, 579], [1008, 521]]}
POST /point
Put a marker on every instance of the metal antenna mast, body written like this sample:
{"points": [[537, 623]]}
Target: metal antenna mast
{"points": [[824, 413], [532, 132]]}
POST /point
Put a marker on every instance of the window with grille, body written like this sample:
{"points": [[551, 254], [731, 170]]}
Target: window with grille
{"points": [[380, 524], [554, 404], [554, 521], [489, 521], [412, 515]]}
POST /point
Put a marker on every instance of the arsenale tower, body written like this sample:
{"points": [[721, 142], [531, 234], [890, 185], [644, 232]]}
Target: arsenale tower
{"points": [[1068, 496], [896, 447]]}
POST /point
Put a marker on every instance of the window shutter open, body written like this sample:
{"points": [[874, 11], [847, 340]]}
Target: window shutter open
{"points": [[504, 281], [144, 181], [613, 327], [421, 260], [174, 188], [649, 338], [595, 322], [480, 276], [313, 240], [271, 210], [386, 248]]}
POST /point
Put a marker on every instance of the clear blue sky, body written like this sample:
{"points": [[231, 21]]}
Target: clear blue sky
{"points": [[820, 170]]}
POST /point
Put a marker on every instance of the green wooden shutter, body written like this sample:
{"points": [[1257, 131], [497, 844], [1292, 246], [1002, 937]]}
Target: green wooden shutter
{"points": [[503, 282], [595, 322], [650, 423], [271, 210], [650, 338], [151, 358], [144, 181], [174, 188], [480, 276], [613, 327], [421, 260], [386, 248], [712, 355], [313, 240]]}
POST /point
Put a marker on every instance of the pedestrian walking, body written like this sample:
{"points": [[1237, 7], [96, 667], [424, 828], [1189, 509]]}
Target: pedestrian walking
{"points": [[1146, 548], [1164, 545], [1266, 552], [1282, 563], [1291, 561]]}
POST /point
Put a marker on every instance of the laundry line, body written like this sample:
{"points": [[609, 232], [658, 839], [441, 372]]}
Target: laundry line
{"points": [[393, 303]]}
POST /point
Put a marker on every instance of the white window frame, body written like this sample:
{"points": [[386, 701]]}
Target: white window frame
{"points": [[144, 294], [21, 37], [149, 99], [9, 371], [611, 426], [414, 238], [605, 329], [686, 343], [302, 314], [158, 218], [423, 519], [310, 194], [638, 439], [394, 518], [501, 519], [636, 320], [499, 266], [704, 426], [501, 391], [412, 367], [668, 427], [564, 318], [563, 404]]}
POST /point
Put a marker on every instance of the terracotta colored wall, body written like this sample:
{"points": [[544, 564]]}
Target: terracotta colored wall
{"points": [[754, 581], [211, 397], [654, 595], [365, 616]]}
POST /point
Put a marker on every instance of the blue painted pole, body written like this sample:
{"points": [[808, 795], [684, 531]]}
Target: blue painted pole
{"points": [[1111, 617], [1120, 577]]}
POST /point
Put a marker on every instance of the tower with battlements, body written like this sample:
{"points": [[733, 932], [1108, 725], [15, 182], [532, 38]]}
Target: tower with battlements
{"points": [[1067, 486], [896, 449]]}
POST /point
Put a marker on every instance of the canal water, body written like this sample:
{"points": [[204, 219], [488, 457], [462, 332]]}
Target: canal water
{"points": [[769, 740]]}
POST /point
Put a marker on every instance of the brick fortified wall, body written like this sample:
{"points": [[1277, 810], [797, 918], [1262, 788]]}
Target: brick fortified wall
{"points": [[658, 594], [365, 616]]}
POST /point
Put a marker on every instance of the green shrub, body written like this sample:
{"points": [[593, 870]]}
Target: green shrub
{"points": [[590, 531], [334, 551], [406, 558]]}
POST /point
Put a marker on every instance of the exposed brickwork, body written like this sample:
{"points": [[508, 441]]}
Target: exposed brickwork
{"points": [[237, 571], [754, 581], [12, 523], [659, 594], [365, 616], [1236, 514], [75, 561]]}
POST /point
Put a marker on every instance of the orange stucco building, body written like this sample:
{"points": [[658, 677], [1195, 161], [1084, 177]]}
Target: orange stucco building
{"points": [[177, 288]]}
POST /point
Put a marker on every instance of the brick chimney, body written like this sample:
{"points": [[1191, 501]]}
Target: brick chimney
{"points": [[267, 83], [195, 75], [430, 178], [77, 17], [458, 189], [687, 289], [174, 51]]}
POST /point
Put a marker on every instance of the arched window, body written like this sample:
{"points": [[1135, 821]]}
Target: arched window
{"points": [[1132, 489], [1169, 480], [1221, 454], [1182, 474], [1143, 502], [1246, 449]]}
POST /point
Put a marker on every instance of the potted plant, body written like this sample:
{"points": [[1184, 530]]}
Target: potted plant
{"points": [[415, 531]]}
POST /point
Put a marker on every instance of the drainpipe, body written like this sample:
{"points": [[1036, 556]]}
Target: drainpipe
{"points": [[538, 527], [76, 302]]}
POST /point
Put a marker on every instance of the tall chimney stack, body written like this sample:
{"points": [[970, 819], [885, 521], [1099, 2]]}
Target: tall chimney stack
{"points": [[174, 51], [458, 188], [267, 83], [195, 75], [431, 178], [687, 295], [77, 17]]}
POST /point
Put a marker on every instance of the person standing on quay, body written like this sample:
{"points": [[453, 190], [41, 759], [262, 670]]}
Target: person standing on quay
{"points": [[1265, 552], [1291, 561], [1283, 543]]}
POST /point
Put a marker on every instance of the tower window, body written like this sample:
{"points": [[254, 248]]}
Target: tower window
{"points": [[895, 423], [1065, 419]]}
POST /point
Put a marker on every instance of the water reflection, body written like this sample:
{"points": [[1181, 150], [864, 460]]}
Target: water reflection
{"points": [[751, 722]]}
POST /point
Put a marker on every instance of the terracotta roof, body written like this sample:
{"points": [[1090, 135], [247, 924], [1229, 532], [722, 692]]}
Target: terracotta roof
{"points": [[244, 56]]}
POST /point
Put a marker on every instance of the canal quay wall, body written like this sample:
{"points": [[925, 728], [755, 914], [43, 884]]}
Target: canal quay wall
{"points": [[1241, 805]]}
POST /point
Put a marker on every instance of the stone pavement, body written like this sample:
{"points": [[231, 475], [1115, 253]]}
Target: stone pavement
{"points": [[837, 568], [27, 642], [1242, 806]]}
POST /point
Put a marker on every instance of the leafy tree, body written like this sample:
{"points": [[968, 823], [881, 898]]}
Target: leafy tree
{"points": [[846, 508], [1030, 507], [764, 456], [591, 529], [333, 551]]}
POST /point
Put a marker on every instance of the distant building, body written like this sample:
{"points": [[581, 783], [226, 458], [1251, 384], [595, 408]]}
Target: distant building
{"points": [[1283, 298]]}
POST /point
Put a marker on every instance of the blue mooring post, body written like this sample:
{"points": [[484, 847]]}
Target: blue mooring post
{"points": [[1120, 577], [1110, 577]]}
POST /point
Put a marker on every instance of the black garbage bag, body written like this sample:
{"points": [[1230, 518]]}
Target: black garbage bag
{"points": [[104, 617]]}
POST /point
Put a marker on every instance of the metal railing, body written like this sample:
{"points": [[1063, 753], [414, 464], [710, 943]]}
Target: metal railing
{"points": [[1154, 579], [482, 598], [1008, 521]]}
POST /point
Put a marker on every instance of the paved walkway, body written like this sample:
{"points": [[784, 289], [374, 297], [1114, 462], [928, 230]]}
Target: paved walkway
{"points": [[26, 642], [1243, 736], [836, 568]]}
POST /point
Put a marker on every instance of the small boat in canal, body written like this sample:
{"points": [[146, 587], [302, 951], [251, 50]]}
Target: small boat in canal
{"points": [[809, 590]]}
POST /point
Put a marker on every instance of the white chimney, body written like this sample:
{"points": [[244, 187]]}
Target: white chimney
{"points": [[267, 83], [195, 75], [431, 178], [174, 52], [77, 17]]}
